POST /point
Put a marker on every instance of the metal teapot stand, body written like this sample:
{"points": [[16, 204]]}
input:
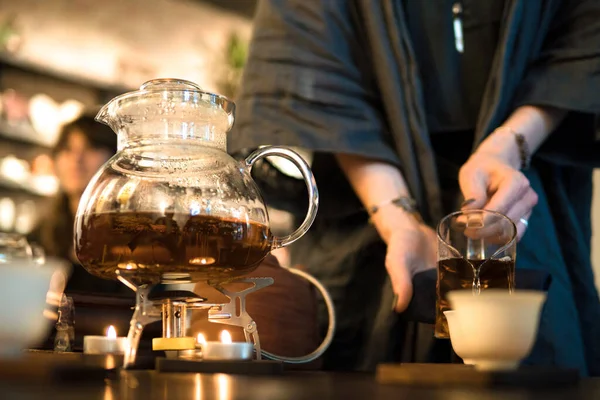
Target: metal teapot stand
{"points": [[172, 308], [183, 354], [175, 305]]}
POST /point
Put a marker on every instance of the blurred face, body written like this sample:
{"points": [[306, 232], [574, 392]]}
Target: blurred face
{"points": [[77, 163]]}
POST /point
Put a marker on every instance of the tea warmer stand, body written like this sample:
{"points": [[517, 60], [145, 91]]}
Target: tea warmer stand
{"points": [[172, 307]]}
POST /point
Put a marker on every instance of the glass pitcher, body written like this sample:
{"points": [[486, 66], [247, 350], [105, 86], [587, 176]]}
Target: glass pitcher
{"points": [[476, 251], [172, 206]]}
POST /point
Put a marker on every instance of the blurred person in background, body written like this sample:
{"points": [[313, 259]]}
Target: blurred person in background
{"points": [[414, 109], [83, 146]]}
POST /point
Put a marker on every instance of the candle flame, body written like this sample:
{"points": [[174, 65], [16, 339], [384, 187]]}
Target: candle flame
{"points": [[225, 337], [111, 332], [202, 260], [200, 339], [163, 206]]}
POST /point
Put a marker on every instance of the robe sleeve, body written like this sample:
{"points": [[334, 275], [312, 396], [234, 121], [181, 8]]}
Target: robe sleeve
{"points": [[566, 74], [303, 85]]}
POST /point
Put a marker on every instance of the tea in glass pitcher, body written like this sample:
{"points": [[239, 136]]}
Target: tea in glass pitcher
{"points": [[476, 251]]}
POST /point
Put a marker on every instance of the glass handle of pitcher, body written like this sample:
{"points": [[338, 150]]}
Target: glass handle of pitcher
{"points": [[311, 185]]}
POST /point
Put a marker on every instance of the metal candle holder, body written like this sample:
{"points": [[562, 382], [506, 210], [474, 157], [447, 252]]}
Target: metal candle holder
{"points": [[172, 308]]}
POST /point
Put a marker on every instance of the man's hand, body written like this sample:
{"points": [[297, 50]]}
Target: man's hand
{"points": [[410, 250], [493, 184]]}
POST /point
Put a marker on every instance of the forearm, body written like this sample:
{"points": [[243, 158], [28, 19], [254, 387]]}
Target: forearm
{"points": [[376, 183], [533, 122]]}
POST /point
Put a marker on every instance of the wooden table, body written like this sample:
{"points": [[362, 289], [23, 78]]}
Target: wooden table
{"points": [[150, 385]]}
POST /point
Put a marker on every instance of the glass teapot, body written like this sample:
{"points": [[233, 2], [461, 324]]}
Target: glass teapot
{"points": [[172, 206]]}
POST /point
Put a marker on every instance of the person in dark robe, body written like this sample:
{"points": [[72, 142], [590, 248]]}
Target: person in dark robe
{"points": [[411, 110]]}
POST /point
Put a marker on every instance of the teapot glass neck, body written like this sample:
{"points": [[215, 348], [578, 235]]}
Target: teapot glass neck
{"points": [[128, 140]]}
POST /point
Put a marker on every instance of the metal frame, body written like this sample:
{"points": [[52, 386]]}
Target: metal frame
{"points": [[173, 313]]}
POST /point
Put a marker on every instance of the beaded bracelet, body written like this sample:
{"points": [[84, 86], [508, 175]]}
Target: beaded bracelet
{"points": [[524, 154], [523, 150]]}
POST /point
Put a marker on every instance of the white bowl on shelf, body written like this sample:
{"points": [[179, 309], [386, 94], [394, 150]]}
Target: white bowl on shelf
{"points": [[26, 288], [496, 329]]}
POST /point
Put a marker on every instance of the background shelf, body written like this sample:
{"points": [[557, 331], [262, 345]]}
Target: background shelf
{"points": [[23, 133]]}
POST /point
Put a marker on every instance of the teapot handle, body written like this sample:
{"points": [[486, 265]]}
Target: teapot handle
{"points": [[311, 185]]}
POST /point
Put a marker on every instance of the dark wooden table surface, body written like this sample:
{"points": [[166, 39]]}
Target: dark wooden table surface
{"points": [[150, 385]]}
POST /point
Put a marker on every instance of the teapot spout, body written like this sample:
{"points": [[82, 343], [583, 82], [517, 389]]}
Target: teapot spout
{"points": [[106, 116]]}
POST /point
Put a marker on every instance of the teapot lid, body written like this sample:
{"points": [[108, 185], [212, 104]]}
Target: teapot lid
{"points": [[169, 83], [169, 100]]}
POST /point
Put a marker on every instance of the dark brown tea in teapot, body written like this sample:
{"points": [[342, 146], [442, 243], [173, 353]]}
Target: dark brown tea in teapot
{"points": [[152, 247], [458, 273]]}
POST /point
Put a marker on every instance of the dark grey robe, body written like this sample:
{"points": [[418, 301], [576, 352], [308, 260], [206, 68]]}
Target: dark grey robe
{"points": [[340, 76]]}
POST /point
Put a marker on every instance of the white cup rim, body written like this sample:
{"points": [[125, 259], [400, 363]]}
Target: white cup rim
{"points": [[498, 294]]}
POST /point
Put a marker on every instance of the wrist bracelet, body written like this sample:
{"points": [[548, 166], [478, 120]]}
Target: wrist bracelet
{"points": [[524, 154], [408, 204], [523, 147]]}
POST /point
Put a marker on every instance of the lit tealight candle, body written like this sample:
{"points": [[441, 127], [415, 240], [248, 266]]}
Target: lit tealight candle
{"points": [[226, 349], [109, 344], [226, 337]]}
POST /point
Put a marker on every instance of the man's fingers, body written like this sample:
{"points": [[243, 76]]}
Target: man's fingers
{"points": [[511, 188], [521, 211], [522, 225], [404, 295], [400, 278], [473, 186]]}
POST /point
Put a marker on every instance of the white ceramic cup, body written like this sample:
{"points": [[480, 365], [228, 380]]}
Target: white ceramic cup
{"points": [[497, 329], [458, 340], [25, 287]]}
